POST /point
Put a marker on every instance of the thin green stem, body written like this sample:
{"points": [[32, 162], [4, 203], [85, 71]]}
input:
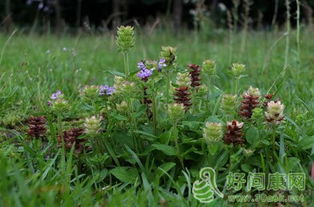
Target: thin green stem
{"points": [[126, 64], [288, 34], [154, 106]]}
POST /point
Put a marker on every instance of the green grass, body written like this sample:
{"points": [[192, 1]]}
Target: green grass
{"points": [[39, 173]]}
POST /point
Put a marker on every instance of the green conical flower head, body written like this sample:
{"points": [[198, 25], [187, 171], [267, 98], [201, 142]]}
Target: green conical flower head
{"points": [[92, 125], [176, 111], [183, 79], [90, 91], [237, 69], [125, 38], [212, 132], [228, 103], [258, 115], [209, 67]]}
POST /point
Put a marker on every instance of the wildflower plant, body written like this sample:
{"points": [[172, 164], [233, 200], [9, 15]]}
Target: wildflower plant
{"points": [[166, 118], [125, 41]]}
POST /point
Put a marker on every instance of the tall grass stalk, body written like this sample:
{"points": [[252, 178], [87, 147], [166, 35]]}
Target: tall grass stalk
{"points": [[298, 30], [288, 25]]}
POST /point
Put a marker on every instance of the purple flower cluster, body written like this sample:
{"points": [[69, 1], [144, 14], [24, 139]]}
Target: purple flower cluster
{"points": [[161, 64], [56, 95], [144, 73], [104, 89], [43, 5]]}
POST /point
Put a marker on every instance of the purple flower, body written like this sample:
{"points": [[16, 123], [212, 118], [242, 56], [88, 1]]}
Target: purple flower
{"points": [[56, 95], [40, 5], [161, 64], [104, 89], [144, 73], [29, 2], [141, 65]]}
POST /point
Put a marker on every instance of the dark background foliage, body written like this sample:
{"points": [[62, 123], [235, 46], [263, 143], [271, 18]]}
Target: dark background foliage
{"points": [[110, 13]]}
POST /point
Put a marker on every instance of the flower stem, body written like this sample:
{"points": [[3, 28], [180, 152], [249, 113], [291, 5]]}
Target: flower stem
{"points": [[154, 106], [126, 64]]}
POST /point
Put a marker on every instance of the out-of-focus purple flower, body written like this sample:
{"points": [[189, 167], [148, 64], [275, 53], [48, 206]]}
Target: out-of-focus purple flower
{"points": [[161, 64], [29, 2], [56, 95], [40, 5], [104, 89], [145, 73], [141, 65]]}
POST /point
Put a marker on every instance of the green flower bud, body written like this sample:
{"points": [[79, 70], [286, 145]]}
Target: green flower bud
{"points": [[123, 86], [122, 107], [183, 79], [92, 125], [176, 111], [212, 132], [209, 67], [202, 90], [125, 38], [228, 103], [169, 54], [90, 92], [60, 105], [258, 115], [237, 69], [253, 92]]}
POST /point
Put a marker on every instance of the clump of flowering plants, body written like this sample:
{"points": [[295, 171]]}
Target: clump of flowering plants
{"points": [[161, 117]]}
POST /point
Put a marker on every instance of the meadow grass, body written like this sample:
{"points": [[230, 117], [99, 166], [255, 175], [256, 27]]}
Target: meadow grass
{"points": [[33, 67]]}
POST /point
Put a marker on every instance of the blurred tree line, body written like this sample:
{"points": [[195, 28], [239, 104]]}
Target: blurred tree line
{"points": [[107, 14]]}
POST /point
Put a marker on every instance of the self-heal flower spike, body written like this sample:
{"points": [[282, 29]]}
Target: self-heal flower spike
{"points": [[212, 132], [90, 91], [237, 69], [168, 54], [234, 134], [59, 105], [274, 113], [70, 138], [37, 126], [195, 71], [123, 86], [92, 125], [176, 111], [209, 67], [228, 103], [183, 79], [250, 101], [182, 96], [57, 102], [122, 107], [125, 38]]}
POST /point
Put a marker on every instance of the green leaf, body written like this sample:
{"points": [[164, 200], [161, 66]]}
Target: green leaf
{"points": [[125, 174], [117, 73], [168, 150], [167, 166], [119, 117], [252, 136], [307, 142]]}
